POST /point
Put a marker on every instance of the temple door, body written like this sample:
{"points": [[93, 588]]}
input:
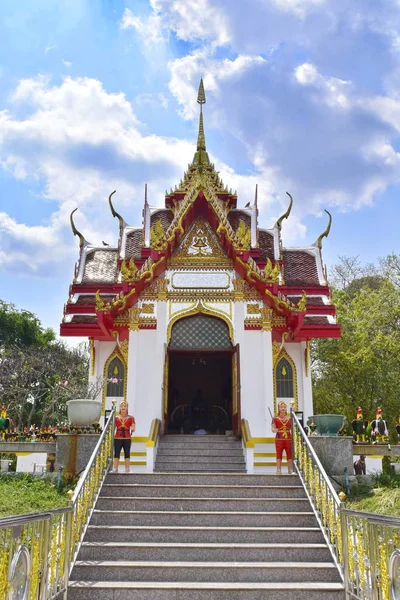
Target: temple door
{"points": [[165, 390], [236, 389]]}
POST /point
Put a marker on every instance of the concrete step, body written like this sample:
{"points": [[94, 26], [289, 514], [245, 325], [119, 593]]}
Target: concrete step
{"points": [[136, 551], [204, 519], [185, 467], [198, 439], [204, 504], [193, 491], [191, 534], [200, 459], [113, 590], [203, 479], [197, 451], [236, 572], [216, 443]]}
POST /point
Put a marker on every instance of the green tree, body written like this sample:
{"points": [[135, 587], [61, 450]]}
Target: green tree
{"points": [[21, 327], [362, 368], [38, 374]]}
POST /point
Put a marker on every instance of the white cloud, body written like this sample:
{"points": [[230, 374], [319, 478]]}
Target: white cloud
{"points": [[187, 20], [187, 71], [300, 7], [149, 28], [66, 63], [336, 91]]}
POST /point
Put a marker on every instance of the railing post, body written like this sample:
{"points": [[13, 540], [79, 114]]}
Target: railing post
{"points": [[67, 560], [345, 550]]}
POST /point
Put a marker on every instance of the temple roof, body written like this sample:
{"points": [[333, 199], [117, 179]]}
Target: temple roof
{"points": [[110, 279]]}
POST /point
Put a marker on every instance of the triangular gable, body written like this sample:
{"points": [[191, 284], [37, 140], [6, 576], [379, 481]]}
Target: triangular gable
{"points": [[200, 248]]}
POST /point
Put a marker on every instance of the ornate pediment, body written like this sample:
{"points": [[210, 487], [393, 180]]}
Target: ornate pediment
{"points": [[200, 248]]}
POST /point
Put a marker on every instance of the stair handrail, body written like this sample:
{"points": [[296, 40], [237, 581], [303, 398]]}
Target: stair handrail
{"points": [[323, 498], [246, 434], [371, 544], [89, 485], [34, 550], [153, 433]]}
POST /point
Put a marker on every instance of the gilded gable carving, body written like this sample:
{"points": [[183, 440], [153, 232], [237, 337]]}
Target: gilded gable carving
{"points": [[200, 248]]}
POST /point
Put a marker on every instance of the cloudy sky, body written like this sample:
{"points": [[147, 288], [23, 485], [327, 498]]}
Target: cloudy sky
{"points": [[302, 95]]}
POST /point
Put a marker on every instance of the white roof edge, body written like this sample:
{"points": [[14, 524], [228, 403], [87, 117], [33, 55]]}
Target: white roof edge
{"points": [[128, 229]]}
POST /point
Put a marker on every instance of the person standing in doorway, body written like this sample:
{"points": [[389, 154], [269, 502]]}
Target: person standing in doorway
{"points": [[124, 427], [281, 425]]}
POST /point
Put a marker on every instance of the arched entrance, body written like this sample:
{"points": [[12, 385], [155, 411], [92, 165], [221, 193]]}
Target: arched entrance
{"points": [[200, 387]]}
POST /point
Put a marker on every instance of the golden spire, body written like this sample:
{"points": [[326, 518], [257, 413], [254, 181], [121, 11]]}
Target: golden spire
{"points": [[201, 99], [201, 156]]}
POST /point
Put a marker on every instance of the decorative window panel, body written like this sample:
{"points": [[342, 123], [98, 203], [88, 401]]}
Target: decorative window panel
{"points": [[284, 379], [200, 331], [115, 377]]}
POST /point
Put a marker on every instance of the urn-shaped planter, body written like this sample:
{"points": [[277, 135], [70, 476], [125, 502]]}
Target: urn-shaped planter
{"points": [[327, 424], [83, 411]]}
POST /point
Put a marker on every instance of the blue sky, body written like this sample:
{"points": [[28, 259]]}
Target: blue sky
{"points": [[302, 95]]}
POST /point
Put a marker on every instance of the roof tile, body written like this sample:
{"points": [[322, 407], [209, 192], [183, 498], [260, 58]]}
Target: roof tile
{"points": [[300, 268], [100, 266]]}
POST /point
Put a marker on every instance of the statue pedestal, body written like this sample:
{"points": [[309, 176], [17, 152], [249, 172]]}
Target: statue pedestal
{"points": [[335, 453], [73, 452]]}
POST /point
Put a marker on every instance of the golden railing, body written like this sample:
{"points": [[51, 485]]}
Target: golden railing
{"points": [[89, 486], [38, 550], [34, 555], [320, 492], [371, 545]]}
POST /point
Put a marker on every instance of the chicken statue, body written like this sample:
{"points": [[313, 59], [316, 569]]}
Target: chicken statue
{"points": [[4, 422], [359, 426], [379, 430]]}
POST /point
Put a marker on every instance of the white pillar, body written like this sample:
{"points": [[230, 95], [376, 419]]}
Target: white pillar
{"points": [[131, 387], [268, 378], [305, 378], [267, 314]]}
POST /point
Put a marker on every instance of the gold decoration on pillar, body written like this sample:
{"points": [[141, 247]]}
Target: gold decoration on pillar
{"points": [[307, 357], [253, 309], [238, 286], [162, 289], [266, 316], [92, 355], [134, 314], [278, 321], [129, 270], [148, 309]]}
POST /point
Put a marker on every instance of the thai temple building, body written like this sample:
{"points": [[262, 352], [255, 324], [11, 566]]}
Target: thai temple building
{"points": [[197, 316]]}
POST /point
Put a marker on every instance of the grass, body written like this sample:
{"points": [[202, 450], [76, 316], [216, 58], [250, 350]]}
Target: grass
{"points": [[22, 493], [383, 498]]}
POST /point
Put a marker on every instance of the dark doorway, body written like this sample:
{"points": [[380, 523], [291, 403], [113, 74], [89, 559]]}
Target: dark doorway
{"points": [[200, 391]]}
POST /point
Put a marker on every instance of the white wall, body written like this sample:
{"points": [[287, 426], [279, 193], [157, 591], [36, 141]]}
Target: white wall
{"points": [[252, 374]]}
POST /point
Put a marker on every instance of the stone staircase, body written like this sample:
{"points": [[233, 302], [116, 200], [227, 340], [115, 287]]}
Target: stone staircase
{"points": [[203, 536], [200, 453]]}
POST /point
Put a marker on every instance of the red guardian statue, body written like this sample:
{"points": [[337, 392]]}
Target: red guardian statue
{"points": [[281, 425], [379, 432], [124, 427], [359, 427]]}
